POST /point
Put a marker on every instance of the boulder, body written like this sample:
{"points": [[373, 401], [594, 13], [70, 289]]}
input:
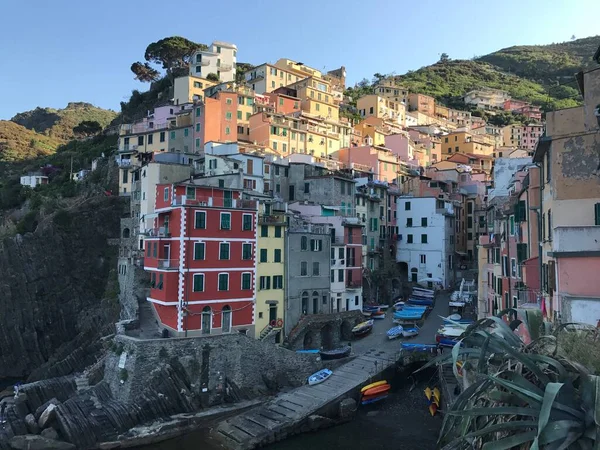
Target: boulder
{"points": [[47, 416], [41, 409], [31, 423], [316, 422], [49, 433], [347, 408], [20, 405], [35, 442]]}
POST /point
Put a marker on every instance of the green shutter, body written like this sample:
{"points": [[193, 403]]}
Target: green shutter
{"points": [[198, 283], [597, 213], [199, 250]]}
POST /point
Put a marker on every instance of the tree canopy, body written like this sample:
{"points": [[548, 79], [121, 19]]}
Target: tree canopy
{"points": [[87, 128], [144, 72], [212, 77], [172, 52]]}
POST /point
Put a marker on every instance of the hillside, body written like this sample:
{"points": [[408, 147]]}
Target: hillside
{"points": [[529, 73], [39, 132]]}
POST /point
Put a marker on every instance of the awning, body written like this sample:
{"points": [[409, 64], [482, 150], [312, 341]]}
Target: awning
{"points": [[460, 253], [333, 208]]}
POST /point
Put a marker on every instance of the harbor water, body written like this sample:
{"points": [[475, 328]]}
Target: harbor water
{"points": [[401, 422]]}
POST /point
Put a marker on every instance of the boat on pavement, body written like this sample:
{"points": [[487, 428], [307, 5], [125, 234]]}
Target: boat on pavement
{"points": [[378, 315], [363, 328], [319, 377], [336, 353], [410, 332], [448, 336], [311, 350], [394, 332]]}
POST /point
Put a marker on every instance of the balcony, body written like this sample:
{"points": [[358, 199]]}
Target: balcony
{"points": [[128, 148], [124, 163], [225, 67], [573, 240], [352, 222], [354, 284], [161, 232], [168, 264], [214, 202], [204, 62], [271, 219]]}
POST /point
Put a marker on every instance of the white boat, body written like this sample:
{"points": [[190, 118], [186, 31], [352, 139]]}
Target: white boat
{"points": [[410, 332], [319, 377], [394, 332]]}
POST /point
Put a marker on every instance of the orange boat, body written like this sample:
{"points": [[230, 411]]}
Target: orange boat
{"points": [[377, 390]]}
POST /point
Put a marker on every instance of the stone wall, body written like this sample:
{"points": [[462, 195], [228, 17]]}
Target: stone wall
{"points": [[211, 369], [323, 330]]}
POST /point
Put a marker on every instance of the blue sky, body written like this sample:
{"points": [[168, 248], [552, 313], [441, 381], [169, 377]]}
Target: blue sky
{"points": [[58, 51]]}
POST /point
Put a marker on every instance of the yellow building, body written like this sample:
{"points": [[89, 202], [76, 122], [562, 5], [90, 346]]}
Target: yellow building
{"points": [[269, 311], [388, 88], [245, 105], [371, 134], [466, 143], [267, 77], [189, 89], [316, 98], [381, 108]]}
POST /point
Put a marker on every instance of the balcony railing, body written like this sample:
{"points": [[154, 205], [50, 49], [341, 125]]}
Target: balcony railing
{"points": [[123, 162], [157, 232], [214, 202], [271, 219], [172, 264], [225, 67], [128, 148]]}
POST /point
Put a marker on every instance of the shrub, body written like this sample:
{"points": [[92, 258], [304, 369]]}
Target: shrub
{"points": [[123, 374], [62, 218], [28, 223]]}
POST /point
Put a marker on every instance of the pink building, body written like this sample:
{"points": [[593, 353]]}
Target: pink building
{"points": [[533, 112], [531, 134], [512, 104], [384, 163]]}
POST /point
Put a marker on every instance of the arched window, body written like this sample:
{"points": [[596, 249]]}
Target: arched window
{"points": [[226, 319], [206, 320], [126, 233], [315, 302], [304, 243], [305, 303]]}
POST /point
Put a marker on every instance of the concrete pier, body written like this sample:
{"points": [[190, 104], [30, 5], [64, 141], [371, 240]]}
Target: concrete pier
{"points": [[304, 408]]}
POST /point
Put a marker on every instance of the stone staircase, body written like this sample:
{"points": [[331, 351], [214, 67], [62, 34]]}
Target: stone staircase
{"points": [[266, 332], [82, 382]]}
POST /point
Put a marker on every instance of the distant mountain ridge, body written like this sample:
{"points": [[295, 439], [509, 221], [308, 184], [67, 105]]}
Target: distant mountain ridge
{"points": [[40, 131], [541, 74]]}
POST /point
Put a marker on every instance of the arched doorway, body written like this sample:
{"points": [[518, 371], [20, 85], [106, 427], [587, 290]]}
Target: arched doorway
{"points": [[226, 319], [346, 330], [206, 320], [304, 303], [126, 233], [327, 337]]}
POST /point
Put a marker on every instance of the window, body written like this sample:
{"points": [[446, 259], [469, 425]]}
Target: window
{"points": [[597, 214], [306, 188], [228, 101], [186, 132], [549, 224], [154, 250], [150, 139], [225, 221], [263, 255], [409, 222], [227, 130], [504, 265], [511, 225], [200, 220], [197, 143], [264, 231], [247, 222], [264, 283], [190, 193], [246, 280], [198, 282], [172, 135], [303, 269], [470, 222], [197, 113], [278, 231], [423, 259], [166, 194], [160, 281], [246, 251], [239, 115], [423, 239], [278, 282], [332, 278], [162, 136], [304, 243], [513, 267], [315, 270], [223, 281], [277, 255], [340, 275], [224, 250], [406, 206], [548, 166], [409, 238], [199, 250], [228, 115], [423, 221]]}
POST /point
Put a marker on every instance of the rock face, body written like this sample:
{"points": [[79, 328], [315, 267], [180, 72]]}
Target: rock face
{"points": [[56, 291], [34, 442]]}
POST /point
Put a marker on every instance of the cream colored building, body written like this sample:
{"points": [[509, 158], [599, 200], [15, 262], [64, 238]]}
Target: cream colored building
{"points": [[189, 89], [220, 59], [486, 98], [382, 108]]}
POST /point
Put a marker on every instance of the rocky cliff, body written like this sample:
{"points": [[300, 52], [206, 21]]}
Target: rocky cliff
{"points": [[59, 291]]}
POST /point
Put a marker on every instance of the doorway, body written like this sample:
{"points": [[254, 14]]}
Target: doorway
{"points": [[315, 302], [347, 304], [339, 304], [227, 199], [206, 320], [272, 313]]}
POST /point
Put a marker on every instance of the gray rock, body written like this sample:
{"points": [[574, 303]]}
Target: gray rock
{"points": [[47, 416], [31, 424], [347, 408], [49, 433], [316, 422], [41, 409], [34, 442]]}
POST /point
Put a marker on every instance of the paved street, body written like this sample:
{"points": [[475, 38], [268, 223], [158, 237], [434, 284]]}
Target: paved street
{"points": [[377, 339]]}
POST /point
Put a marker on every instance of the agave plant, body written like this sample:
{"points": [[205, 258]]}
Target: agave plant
{"points": [[516, 395]]}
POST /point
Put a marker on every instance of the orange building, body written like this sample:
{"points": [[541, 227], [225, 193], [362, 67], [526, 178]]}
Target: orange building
{"points": [[215, 119]]}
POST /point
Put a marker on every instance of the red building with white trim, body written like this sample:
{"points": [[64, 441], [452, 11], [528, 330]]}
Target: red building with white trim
{"points": [[201, 257]]}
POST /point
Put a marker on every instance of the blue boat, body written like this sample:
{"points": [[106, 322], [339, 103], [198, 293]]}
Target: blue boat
{"points": [[414, 308], [314, 350], [394, 332], [409, 347], [319, 377], [408, 314], [373, 400], [461, 321], [420, 302]]}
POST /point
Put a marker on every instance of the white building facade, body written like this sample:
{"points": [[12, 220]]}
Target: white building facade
{"points": [[426, 239], [220, 59], [33, 179]]}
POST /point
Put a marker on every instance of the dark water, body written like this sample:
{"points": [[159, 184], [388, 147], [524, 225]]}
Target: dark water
{"points": [[402, 421]]}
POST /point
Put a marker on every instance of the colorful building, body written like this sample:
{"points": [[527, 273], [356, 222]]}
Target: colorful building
{"points": [[381, 108], [486, 98], [466, 143], [201, 257], [422, 103], [220, 59]]}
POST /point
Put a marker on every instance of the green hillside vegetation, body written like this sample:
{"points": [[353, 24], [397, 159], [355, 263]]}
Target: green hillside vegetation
{"points": [[41, 131]]}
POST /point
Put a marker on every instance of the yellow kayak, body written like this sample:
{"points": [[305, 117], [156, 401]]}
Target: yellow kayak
{"points": [[372, 385]]}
